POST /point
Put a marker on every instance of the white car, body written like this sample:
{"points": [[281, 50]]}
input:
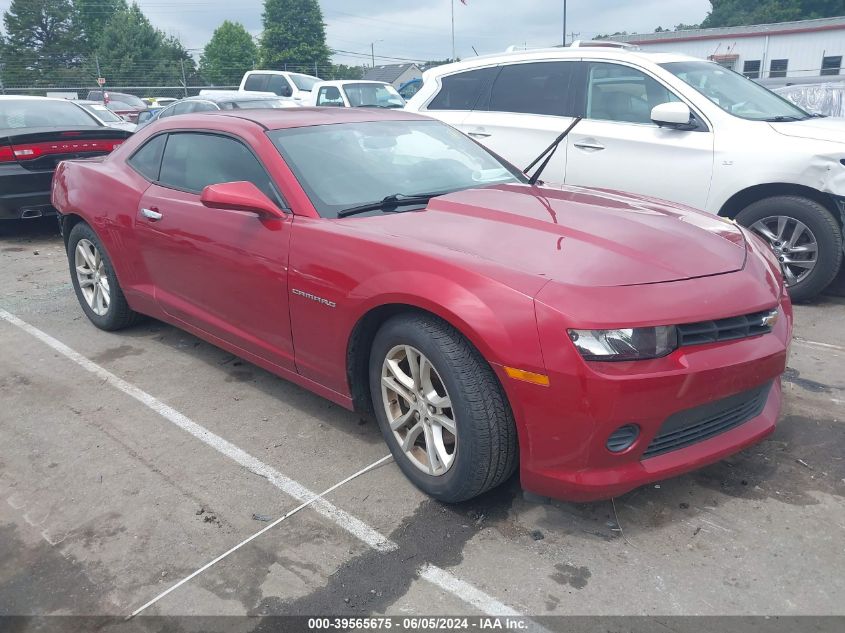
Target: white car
{"points": [[667, 126], [280, 83], [355, 93], [105, 116]]}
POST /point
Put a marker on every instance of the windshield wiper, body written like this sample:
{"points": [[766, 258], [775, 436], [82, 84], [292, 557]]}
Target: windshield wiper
{"points": [[391, 203], [549, 152], [785, 119]]}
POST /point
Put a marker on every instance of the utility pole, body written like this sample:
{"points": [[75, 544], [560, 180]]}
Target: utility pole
{"points": [[373, 53], [184, 79], [563, 37], [573, 35], [97, 62], [453, 30]]}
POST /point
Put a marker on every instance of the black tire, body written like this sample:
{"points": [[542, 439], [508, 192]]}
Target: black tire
{"points": [[119, 315], [824, 227], [486, 452]]}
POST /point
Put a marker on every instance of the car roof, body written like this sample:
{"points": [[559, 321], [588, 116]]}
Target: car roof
{"points": [[341, 82], [279, 72], [591, 52], [272, 119], [30, 98], [218, 98]]}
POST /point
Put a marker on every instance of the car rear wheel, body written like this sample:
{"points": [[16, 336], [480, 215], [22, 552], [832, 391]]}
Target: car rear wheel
{"points": [[441, 409], [94, 281], [805, 238]]}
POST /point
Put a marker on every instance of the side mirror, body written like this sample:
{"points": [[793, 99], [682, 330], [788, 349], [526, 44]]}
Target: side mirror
{"points": [[240, 196], [675, 115]]}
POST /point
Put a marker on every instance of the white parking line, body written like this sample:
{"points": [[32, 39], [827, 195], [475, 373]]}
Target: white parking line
{"points": [[248, 539], [357, 528], [818, 345]]}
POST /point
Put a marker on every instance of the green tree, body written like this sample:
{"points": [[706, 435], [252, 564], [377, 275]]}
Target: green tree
{"points": [[294, 33], [228, 55], [742, 12], [41, 43], [92, 17], [132, 51], [342, 71]]}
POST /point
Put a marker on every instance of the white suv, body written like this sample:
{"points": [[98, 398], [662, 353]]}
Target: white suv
{"points": [[668, 126]]}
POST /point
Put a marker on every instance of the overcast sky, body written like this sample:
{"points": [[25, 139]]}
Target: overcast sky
{"points": [[420, 29]]}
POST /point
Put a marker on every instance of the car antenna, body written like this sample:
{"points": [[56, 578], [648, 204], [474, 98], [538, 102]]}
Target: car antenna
{"points": [[550, 150]]}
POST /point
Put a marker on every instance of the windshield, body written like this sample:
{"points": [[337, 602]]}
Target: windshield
{"points": [[24, 113], [350, 164], [254, 104], [734, 93], [304, 82], [376, 95], [102, 113]]}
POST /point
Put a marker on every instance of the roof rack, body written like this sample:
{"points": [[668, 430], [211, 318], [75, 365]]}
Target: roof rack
{"points": [[604, 44]]}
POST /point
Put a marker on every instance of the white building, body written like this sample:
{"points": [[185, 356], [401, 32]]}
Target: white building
{"points": [[775, 54]]}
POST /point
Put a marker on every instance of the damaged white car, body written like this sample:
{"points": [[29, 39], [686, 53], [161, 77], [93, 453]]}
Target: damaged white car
{"points": [[663, 125]]}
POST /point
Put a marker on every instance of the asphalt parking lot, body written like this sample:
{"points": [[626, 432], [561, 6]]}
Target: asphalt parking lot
{"points": [[112, 490]]}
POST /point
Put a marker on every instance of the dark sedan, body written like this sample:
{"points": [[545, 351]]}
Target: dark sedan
{"points": [[36, 133]]}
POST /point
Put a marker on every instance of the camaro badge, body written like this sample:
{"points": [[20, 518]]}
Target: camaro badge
{"points": [[308, 295], [770, 319]]}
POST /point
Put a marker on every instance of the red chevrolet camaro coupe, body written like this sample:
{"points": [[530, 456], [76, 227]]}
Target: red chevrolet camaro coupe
{"points": [[382, 260]]}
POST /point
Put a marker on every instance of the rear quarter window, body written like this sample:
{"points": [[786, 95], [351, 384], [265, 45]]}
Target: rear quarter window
{"points": [[257, 82], [462, 91], [147, 160]]}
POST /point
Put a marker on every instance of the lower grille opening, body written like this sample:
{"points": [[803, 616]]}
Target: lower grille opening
{"points": [[701, 423]]}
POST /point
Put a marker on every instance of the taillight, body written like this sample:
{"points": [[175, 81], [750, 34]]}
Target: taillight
{"points": [[31, 151]]}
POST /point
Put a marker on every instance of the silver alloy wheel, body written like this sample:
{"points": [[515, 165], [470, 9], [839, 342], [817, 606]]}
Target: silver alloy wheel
{"points": [[92, 277], [793, 243], [419, 410]]}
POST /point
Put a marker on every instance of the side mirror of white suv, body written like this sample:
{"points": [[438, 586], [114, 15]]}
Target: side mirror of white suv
{"points": [[674, 115]]}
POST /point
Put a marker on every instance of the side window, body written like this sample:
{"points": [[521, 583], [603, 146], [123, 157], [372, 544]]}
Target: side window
{"points": [[183, 108], [147, 160], [329, 96], [168, 111], [257, 81], [621, 93], [278, 85], [192, 161], [536, 88], [462, 91], [204, 106]]}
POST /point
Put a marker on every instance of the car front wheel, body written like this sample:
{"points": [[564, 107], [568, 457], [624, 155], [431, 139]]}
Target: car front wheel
{"points": [[805, 238], [440, 408]]}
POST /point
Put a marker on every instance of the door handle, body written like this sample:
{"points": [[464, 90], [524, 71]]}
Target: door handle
{"points": [[593, 146], [151, 214], [478, 134]]}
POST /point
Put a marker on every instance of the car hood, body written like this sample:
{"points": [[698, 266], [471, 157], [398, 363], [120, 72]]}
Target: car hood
{"points": [[819, 129], [574, 235]]}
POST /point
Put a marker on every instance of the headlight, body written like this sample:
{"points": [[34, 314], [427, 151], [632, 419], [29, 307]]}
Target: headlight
{"points": [[625, 344]]}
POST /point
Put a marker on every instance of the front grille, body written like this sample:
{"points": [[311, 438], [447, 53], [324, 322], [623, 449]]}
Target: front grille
{"points": [[701, 423], [726, 329]]}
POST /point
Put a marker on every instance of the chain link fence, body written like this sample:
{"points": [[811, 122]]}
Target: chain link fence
{"points": [[139, 79]]}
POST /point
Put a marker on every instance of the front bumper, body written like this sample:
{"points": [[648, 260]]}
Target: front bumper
{"points": [[564, 428]]}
